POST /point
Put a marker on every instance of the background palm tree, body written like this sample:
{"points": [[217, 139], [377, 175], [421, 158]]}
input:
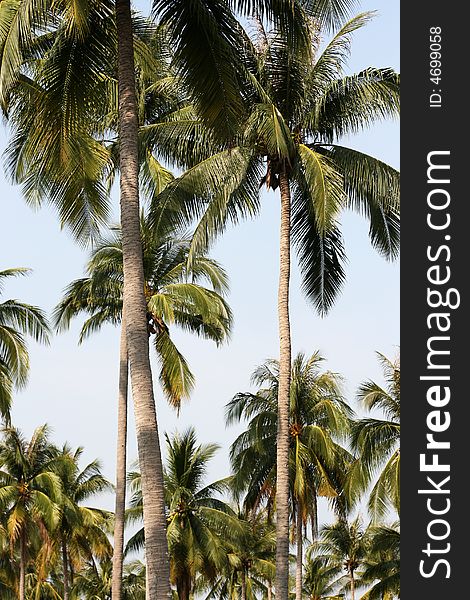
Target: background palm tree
{"points": [[382, 566], [174, 295], [250, 569], [17, 321], [198, 520], [297, 105], [318, 417], [94, 581], [80, 531], [344, 546], [377, 440], [320, 579], [30, 493]]}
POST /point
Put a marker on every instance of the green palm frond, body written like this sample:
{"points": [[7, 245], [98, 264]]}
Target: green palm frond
{"points": [[354, 102], [373, 190], [175, 376], [18, 321], [331, 62], [321, 257], [206, 42]]}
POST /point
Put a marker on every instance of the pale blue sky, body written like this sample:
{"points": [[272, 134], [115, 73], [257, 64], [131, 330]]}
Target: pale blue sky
{"points": [[74, 388]]}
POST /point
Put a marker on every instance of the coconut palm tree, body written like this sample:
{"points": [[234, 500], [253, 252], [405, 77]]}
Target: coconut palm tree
{"points": [[344, 546], [94, 581], [175, 295], [80, 533], [250, 570], [17, 321], [318, 417], [30, 493], [79, 45], [382, 566], [377, 440], [199, 522], [296, 106], [320, 579]]}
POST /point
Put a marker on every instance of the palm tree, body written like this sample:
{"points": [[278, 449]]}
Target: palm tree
{"points": [[198, 521], [58, 136], [250, 567], [296, 105], [135, 309], [94, 581], [79, 532], [382, 566], [318, 416], [30, 493], [17, 320], [377, 440], [320, 579], [344, 546], [174, 295]]}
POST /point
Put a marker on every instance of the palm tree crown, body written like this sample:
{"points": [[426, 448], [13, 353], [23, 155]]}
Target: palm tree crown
{"points": [[175, 295], [377, 440], [17, 321], [199, 522]]}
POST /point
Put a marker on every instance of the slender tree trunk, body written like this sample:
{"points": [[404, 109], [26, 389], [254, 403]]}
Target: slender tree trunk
{"points": [[298, 564], [243, 582], [65, 567], [352, 584], [282, 460], [21, 590], [156, 548], [121, 463]]}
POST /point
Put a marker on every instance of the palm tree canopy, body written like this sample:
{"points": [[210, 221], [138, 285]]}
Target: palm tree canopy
{"points": [[382, 567], [199, 521], [377, 440], [30, 490], [17, 321], [175, 295], [298, 106], [318, 416]]}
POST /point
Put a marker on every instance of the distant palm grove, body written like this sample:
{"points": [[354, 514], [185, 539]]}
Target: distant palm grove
{"points": [[195, 111]]}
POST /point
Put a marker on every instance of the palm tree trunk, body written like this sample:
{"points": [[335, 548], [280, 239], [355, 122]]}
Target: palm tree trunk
{"points": [[270, 590], [243, 582], [298, 564], [156, 548], [21, 590], [121, 463], [352, 584], [282, 459], [65, 567]]}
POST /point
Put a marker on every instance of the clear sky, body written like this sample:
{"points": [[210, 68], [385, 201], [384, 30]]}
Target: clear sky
{"points": [[73, 388]]}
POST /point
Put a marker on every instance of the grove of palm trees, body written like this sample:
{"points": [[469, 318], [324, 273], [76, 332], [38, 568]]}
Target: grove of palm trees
{"points": [[226, 209]]}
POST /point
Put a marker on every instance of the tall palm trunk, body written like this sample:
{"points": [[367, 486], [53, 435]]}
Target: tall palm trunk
{"points": [[121, 462], [299, 557], [156, 548], [352, 584], [65, 567], [282, 459], [21, 590], [243, 582]]}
